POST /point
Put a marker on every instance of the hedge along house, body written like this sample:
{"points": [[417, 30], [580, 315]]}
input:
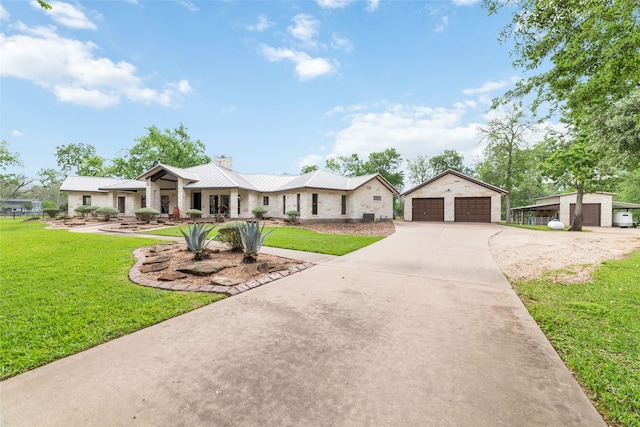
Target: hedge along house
{"points": [[597, 209], [216, 189], [452, 196]]}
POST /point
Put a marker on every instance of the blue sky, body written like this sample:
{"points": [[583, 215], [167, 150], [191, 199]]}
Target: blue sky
{"points": [[274, 84]]}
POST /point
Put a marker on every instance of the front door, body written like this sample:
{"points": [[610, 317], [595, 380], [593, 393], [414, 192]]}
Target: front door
{"points": [[197, 201]]}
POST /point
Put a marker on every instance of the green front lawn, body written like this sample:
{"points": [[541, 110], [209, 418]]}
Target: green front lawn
{"points": [[299, 239], [595, 327], [65, 292]]}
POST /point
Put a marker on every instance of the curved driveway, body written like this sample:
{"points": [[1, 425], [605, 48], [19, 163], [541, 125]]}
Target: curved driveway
{"points": [[419, 329]]}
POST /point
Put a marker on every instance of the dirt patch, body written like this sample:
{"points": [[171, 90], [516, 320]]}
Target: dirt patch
{"points": [[524, 254]]}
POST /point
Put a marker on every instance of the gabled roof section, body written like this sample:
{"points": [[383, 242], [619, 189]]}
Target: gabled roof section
{"points": [[330, 181], [215, 176], [99, 184], [459, 175], [269, 183], [575, 192], [185, 174]]}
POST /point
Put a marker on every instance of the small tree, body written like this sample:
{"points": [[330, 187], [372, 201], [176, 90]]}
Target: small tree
{"points": [[259, 211], [293, 216], [194, 214], [146, 214], [107, 212]]}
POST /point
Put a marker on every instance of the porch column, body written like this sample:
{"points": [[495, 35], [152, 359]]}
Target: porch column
{"points": [[233, 204], [183, 204], [113, 197], [153, 195]]}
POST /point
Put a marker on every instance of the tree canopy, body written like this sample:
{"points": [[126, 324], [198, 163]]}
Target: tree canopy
{"points": [[387, 163], [171, 147], [80, 159], [11, 184]]}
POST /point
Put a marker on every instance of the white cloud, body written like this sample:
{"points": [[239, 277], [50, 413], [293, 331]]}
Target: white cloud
{"points": [[68, 15], [17, 133], [410, 129], [307, 68], [373, 5], [262, 24], [465, 2], [68, 68], [444, 23], [304, 28], [190, 6], [4, 15], [333, 4], [489, 87], [309, 160], [341, 43], [228, 110]]}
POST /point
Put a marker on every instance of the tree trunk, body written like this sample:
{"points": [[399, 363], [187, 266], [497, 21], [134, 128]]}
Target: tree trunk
{"points": [[576, 224], [508, 207]]}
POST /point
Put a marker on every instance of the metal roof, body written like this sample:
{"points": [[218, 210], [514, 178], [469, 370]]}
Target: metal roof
{"points": [[625, 205], [215, 176], [99, 184], [460, 175]]}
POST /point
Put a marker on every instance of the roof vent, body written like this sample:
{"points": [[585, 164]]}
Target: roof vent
{"points": [[224, 161]]}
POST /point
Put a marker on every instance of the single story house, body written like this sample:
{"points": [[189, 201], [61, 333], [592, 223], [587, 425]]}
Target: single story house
{"points": [[597, 209], [452, 196], [215, 188]]}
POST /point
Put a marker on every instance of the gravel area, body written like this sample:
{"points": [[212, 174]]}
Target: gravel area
{"points": [[524, 254]]}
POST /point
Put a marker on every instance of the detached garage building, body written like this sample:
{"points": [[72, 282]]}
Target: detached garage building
{"points": [[453, 197]]}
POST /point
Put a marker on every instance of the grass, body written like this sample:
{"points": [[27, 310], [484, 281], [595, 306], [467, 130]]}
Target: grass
{"points": [[595, 328], [65, 292], [300, 239]]}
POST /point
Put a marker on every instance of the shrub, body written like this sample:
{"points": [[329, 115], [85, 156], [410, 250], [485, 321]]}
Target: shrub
{"points": [[106, 213], [252, 239], [92, 210], [82, 210], [229, 234], [51, 212], [146, 214], [293, 215], [258, 211], [194, 213], [196, 238]]}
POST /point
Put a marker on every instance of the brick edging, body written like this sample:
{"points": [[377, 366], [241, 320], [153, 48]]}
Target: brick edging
{"points": [[136, 277]]}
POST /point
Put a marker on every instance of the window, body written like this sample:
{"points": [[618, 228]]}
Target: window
{"points": [[314, 204], [86, 200], [377, 198], [284, 205], [298, 202], [344, 205], [224, 204], [238, 204], [213, 204], [265, 201], [121, 204], [143, 201]]}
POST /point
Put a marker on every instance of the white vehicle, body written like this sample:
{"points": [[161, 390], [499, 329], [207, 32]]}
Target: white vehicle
{"points": [[622, 219]]}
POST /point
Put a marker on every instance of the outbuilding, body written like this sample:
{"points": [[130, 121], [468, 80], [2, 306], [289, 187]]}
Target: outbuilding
{"points": [[452, 196]]}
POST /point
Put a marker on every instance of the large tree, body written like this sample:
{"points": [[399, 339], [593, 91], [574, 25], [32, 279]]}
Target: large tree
{"points": [[583, 53], [80, 159], [575, 164], [11, 183], [505, 139], [387, 163], [418, 169], [449, 159], [170, 147]]}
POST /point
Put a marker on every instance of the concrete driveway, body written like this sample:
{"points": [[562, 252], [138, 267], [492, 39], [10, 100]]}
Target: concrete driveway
{"points": [[420, 329]]}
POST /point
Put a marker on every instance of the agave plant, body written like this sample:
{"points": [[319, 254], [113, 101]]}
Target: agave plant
{"points": [[196, 238], [252, 239]]}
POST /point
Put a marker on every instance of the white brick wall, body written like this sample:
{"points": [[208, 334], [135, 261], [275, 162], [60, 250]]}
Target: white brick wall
{"points": [[451, 186]]}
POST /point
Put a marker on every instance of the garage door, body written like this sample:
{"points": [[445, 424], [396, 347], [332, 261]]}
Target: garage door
{"points": [[590, 213], [473, 209], [431, 209]]}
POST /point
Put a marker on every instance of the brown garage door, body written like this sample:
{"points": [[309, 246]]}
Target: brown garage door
{"points": [[473, 209], [431, 209], [590, 214]]}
